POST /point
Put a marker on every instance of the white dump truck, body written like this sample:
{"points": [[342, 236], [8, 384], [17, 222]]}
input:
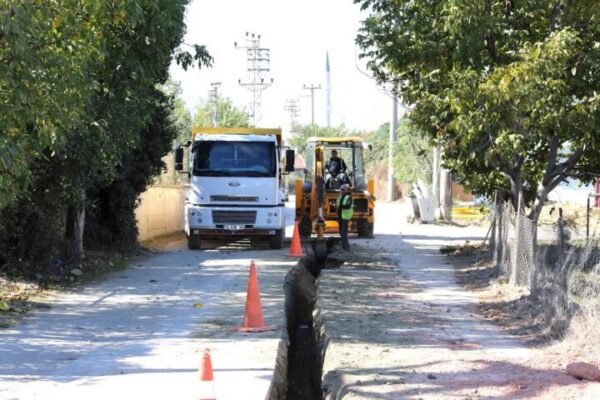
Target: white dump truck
{"points": [[236, 184]]}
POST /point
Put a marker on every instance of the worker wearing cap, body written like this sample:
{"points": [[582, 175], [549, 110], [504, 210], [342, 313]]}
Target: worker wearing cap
{"points": [[345, 210], [335, 168]]}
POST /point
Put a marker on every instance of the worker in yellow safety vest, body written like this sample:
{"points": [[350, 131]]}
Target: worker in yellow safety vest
{"points": [[344, 206]]}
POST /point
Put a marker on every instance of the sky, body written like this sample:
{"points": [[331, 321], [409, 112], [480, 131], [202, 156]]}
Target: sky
{"points": [[299, 33]]}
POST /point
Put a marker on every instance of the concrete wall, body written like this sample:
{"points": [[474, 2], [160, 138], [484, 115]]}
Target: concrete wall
{"points": [[160, 211]]}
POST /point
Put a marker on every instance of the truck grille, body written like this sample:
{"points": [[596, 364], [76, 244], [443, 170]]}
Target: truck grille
{"points": [[233, 198], [234, 217]]}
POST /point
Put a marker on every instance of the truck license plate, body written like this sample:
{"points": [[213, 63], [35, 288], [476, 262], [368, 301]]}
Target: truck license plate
{"points": [[234, 227]]}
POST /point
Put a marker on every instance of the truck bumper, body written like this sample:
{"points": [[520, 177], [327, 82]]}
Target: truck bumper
{"points": [[233, 221]]}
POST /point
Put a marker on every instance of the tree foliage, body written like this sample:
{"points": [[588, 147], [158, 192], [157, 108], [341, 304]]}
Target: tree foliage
{"points": [[229, 115], [412, 152], [509, 89], [83, 125], [46, 50], [299, 140], [181, 116]]}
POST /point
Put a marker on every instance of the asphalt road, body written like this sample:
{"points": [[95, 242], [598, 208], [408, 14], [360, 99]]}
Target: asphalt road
{"points": [[140, 333]]}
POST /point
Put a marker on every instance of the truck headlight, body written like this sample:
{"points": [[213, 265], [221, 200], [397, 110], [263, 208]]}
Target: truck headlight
{"points": [[199, 220], [268, 220], [270, 214]]}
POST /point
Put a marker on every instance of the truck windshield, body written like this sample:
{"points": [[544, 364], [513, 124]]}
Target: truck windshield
{"points": [[212, 158]]}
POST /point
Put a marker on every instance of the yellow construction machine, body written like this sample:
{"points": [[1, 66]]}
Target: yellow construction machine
{"points": [[316, 195]]}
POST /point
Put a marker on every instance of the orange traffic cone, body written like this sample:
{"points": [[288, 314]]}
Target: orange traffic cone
{"points": [[296, 247], [207, 385], [253, 319]]}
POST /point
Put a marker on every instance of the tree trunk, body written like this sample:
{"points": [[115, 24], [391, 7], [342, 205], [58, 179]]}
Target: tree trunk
{"points": [[516, 192], [70, 224], [435, 180], [79, 227], [446, 194], [500, 237], [492, 243], [76, 225]]}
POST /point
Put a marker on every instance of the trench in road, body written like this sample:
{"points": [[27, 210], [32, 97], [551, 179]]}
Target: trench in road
{"points": [[305, 352]]}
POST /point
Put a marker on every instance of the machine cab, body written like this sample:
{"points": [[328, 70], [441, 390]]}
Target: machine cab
{"points": [[316, 195], [337, 161]]}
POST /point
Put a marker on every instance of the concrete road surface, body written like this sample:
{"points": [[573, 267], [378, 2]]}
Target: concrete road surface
{"points": [[140, 333]]}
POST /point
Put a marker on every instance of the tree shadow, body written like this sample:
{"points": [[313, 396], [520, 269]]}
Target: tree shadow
{"points": [[108, 327]]}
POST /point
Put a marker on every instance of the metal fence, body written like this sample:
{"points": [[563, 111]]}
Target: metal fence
{"points": [[512, 244], [557, 260]]}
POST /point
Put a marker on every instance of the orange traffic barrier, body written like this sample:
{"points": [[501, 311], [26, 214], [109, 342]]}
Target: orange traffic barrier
{"points": [[296, 247], [207, 384], [253, 318]]}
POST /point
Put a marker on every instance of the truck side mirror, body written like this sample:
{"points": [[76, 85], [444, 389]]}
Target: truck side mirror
{"points": [[290, 158], [179, 159]]}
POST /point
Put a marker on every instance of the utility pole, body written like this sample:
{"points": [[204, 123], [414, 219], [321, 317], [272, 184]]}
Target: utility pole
{"points": [[213, 97], [446, 194], [292, 106], [441, 186], [435, 179], [258, 65], [393, 138], [312, 89]]}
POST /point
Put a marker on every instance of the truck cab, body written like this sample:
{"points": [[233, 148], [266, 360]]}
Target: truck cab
{"points": [[236, 185]]}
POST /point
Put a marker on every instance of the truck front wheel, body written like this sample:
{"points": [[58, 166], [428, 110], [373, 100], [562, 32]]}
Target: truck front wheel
{"points": [[276, 241], [194, 242]]}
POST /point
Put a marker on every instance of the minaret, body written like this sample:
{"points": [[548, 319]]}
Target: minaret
{"points": [[328, 89]]}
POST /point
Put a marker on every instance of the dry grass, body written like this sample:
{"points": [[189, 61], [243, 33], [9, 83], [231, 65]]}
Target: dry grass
{"points": [[563, 303], [584, 291], [575, 217]]}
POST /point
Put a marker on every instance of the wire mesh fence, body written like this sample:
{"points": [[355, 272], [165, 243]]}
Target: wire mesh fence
{"points": [[512, 245], [557, 260]]}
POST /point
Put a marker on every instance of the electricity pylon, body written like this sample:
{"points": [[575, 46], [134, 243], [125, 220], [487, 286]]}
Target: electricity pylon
{"points": [[213, 97], [258, 65]]}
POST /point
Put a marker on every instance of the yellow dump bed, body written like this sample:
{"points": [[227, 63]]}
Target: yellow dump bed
{"points": [[354, 139], [237, 131]]}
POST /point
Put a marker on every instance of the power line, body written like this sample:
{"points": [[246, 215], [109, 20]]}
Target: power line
{"points": [[258, 65]]}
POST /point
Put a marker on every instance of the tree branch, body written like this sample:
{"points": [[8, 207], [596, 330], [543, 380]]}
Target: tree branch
{"points": [[508, 7], [549, 181], [6, 171], [581, 175], [564, 167], [518, 163], [553, 16], [490, 38]]}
